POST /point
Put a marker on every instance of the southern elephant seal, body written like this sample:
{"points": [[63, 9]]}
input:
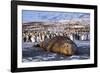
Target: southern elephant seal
{"points": [[59, 44]]}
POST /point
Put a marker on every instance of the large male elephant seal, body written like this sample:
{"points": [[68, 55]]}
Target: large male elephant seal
{"points": [[59, 44]]}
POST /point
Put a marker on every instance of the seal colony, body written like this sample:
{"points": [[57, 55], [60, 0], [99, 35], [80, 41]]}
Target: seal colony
{"points": [[59, 44]]}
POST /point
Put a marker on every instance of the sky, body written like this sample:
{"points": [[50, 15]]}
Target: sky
{"points": [[44, 16]]}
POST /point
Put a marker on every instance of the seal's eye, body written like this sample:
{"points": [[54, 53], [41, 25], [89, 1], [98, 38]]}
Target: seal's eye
{"points": [[67, 45]]}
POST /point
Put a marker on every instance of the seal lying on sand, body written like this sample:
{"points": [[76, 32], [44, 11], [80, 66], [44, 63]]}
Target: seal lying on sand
{"points": [[59, 44]]}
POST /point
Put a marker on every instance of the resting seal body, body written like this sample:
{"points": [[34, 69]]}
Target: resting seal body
{"points": [[59, 44]]}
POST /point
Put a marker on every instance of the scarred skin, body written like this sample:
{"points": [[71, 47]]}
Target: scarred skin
{"points": [[59, 44]]}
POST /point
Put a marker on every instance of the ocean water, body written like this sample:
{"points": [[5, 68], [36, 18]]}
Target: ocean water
{"points": [[37, 54]]}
